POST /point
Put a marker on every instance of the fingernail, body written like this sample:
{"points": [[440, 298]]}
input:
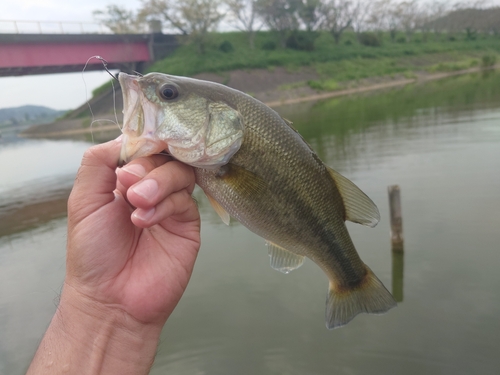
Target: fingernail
{"points": [[119, 138], [146, 189], [135, 169], [144, 215]]}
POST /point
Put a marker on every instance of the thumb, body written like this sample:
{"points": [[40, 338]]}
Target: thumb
{"points": [[95, 181]]}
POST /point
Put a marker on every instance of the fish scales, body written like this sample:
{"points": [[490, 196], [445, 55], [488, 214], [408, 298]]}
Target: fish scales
{"points": [[254, 167], [294, 192]]}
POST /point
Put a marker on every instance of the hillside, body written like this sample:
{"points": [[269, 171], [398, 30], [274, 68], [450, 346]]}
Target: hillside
{"points": [[355, 57], [472, 21], [28, 115]]}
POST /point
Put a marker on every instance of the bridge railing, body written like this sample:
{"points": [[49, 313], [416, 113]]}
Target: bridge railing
{"points": [[51, 27]]}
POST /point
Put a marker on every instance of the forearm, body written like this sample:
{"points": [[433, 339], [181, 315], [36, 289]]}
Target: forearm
{"points": [[85, 338]]}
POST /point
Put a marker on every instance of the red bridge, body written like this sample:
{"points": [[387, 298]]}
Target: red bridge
{"points": [[24, 54]]}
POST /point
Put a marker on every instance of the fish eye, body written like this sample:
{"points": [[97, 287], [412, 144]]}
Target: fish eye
{"points": [[169, 92]]}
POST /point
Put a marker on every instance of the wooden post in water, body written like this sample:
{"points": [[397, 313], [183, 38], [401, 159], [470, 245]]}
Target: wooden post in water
{"points": [[397, 241], [396, 218]]}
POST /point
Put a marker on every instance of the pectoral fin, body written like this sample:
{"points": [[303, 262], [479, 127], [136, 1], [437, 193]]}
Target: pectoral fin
{"points": [[358, 207], [219, 209], [245, 182], [283, 260]]}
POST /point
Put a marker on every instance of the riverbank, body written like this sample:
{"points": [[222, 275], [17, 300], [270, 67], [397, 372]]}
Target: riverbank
{"points": [[279, 76], [275, 88]]}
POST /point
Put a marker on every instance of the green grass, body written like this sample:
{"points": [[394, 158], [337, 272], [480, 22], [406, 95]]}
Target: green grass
{"points": [[103, 88], [453, 66], [187, 61]]}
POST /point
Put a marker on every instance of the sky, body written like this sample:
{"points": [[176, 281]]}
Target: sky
{"points": [[58, 91]]}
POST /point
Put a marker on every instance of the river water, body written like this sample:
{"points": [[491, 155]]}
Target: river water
{"points": [[440, 142]]}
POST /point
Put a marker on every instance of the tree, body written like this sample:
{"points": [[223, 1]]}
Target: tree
{"points": [[385, 16], [437, 10], [309, 13], [378, 15], [337, 16], [167, 11], [195, 18], [119, 20], [361, 12], [280, 16], [408, 12], [244, 15], [470, 17]]}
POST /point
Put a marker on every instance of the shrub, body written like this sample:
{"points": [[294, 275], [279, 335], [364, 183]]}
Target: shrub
{"points": [[474, 63], [226, 46], [327, 85], [470, 33], [301, 41], [369, 39], [488, 61], [268, 45]]}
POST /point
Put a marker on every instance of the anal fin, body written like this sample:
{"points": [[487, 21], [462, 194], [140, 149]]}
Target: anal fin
{"points": [[283, 260], [219, 209]]}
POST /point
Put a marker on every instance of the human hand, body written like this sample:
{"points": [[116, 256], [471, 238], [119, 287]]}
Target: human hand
{"points": [[126, 268], [137, 261]]}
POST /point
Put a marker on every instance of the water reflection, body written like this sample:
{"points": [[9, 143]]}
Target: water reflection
{"points": [[398, 258], [408, 114], [37, 179], [439, 142], [31, 206], [24, 162]]}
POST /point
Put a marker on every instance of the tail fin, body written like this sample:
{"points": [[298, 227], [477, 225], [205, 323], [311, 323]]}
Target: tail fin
{"points": [[370, 297]]}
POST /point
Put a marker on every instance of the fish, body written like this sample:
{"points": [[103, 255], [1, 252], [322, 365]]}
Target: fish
{"points": [[255, 167]]}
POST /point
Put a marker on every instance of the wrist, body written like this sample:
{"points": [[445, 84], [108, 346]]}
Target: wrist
{"points": [[86, 337], [106, 329]]}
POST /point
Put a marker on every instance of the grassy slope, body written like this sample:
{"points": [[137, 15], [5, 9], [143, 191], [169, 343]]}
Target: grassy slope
{"points": [[335, 63]]}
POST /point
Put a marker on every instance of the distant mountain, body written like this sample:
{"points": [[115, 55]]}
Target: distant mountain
{"points": [[28, 115]]}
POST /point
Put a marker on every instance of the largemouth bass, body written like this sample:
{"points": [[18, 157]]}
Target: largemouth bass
{"points": [[253, 166]]}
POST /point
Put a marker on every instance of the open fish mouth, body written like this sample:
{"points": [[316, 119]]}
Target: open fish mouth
{"points": [[196, 130], [139, 122]]}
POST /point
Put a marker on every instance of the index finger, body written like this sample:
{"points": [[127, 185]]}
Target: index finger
{"points": [[95, 180], [161, 182], [137, 169]]}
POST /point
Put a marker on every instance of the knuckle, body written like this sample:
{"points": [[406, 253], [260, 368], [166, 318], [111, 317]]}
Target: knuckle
{"points": [[89, 155]]}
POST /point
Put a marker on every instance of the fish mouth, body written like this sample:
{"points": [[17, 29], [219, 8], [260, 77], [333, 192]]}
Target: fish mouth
{"points": [[135, 148], [139, 122]]}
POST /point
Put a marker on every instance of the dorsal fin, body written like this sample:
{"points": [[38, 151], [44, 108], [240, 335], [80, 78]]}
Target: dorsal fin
{"points": [[283, 260], [358, 207], [219, 209], [289, 123]]}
